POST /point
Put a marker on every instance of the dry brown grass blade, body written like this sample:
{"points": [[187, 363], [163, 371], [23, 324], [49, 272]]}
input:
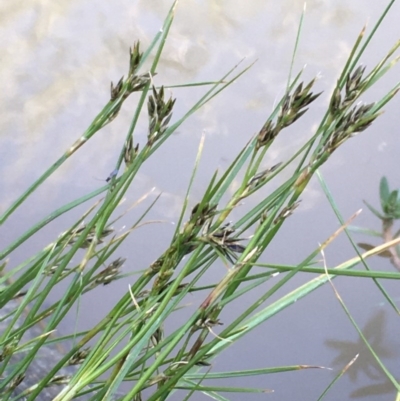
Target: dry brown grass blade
{"points": [[339, 230]]}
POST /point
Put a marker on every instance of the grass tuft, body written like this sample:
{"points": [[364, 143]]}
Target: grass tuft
{"points": [[129, 345]]}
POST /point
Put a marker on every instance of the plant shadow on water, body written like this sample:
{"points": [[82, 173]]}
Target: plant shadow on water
{"points": [[374, 332]]}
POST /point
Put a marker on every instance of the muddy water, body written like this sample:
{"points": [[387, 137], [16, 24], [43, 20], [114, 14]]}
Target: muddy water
{"points": [[56, 64]]}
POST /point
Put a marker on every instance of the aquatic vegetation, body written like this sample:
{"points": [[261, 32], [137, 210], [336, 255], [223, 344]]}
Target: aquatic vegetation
{"points": [[390, 204], [129, 345]]}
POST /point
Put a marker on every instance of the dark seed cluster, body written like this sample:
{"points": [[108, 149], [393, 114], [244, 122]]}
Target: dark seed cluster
{"points": [[356, 120], [79, 356], [293, 107], [346, 119], [130, 152], [259, 179], [160, 113], [222, 240], [353, 88], [286, 212], [90, 236], [110, 273], [133, 83]]}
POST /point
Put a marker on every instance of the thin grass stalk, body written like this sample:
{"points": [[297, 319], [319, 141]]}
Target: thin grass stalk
{"points": [[161, 311], [215, 344], [392, 379], [167, 290], [51, 217], [363, 261], [372, 34], [111, 108], [337, 377], [334, 272], [296, 45]]}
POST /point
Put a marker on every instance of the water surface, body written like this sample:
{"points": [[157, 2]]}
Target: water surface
{"points": [[57, 62]]}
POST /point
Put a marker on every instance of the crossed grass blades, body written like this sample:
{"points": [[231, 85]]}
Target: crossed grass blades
{"points": [[129, 344]]}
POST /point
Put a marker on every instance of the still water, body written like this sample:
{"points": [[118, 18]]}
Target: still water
{"points": [[57, 61]]}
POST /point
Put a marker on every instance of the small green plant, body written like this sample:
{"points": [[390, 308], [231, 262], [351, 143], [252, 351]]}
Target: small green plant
{"points": [[390, 204], [129, 345]]}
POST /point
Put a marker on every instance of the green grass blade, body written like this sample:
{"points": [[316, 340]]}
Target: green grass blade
{"points": [[296, 45], [250, 372], [338, 376], [376, 357], [340, 219]]}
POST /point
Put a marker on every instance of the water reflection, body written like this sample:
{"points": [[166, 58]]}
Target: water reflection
{"points": [[58, 65], [58, 60], [374, 331], [385, 387]]}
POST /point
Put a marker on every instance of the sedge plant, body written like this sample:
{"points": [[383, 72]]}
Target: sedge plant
{"points": [[127, 353]]}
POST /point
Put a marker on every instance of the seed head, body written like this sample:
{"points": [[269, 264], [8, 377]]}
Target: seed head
{"points": [[286, 212], [134, 58], [117, 89]]}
